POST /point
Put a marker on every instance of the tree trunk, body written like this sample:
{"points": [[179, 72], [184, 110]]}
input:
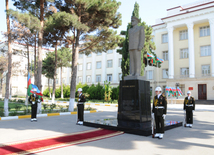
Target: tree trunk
{"points": [[49, 87], [54, 83], [35, 71], [61, 84], [1, 81], [75, 53], [9, 64], [39, 70], [28, 66]]}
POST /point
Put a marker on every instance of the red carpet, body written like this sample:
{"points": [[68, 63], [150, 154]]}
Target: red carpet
{"points": [[29, 147]]}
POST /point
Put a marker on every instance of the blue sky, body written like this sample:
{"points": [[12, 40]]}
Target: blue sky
{"points": [[150, 10]]}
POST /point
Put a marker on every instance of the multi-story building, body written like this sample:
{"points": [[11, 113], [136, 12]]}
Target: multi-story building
{"points": [[185, 40]]}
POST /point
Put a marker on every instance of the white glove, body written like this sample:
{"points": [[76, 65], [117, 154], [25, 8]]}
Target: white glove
{"points": [[79, 99], [153, 115], [39, 100], [193, 110], [33, 102], [164, 116]]}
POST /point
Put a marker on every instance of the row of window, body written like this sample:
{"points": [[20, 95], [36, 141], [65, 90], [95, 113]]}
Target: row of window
{"points": [[184, 72], [184, 53], [98, 78], [99, 65], [183, 35], [99, 53]]}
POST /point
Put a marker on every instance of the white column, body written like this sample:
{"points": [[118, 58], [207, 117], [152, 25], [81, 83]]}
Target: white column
{"points": [[115, 67], [211, 21], [170, 52], [191, 50], [84, 69], [93, 69], [103, 76]]}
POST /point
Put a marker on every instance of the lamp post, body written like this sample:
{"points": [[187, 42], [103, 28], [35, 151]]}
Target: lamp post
{"points": [[176, 85]]}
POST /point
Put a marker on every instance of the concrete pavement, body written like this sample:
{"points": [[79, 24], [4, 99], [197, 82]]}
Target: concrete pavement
{"points": [[196, 140]]}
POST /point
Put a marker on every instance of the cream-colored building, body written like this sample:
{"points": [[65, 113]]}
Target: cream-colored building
{"points": [[185, 40]]}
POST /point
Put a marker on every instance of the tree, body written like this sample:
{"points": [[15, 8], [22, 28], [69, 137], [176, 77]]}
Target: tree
{"points": [[9, 63], [48, 69], [3, 68], [148, 45], [91, 30], [64, 60]]}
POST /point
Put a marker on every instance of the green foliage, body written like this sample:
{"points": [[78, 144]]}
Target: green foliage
{"points": [[45, 106], [48, 65], [108, 91], [115, 93], [52, 106], [135, 12]]}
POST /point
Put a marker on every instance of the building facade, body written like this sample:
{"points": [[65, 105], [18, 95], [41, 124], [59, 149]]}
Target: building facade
{"points": [[185, 40]]}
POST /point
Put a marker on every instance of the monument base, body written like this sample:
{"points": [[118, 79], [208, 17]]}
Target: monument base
{"points": [[129, 77], [112, 124]]}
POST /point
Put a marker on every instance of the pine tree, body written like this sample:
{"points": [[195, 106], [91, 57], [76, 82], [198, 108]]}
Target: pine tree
{"points": [[92, 20]]}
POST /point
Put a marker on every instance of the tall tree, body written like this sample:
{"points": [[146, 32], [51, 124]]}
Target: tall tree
{"points": [[9, 63], [64, 60], [3, 68], [48, 69], [93, 33], [148, 45]]}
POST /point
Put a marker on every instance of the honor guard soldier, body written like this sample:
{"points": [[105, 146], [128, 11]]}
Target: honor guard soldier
{"points": [[189, 107], [159, 112], [34, 100], [80, 107]]}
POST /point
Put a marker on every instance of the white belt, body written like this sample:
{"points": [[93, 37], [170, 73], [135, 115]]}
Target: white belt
{"points": [[159, 107], [190, 105], [80, 102]]}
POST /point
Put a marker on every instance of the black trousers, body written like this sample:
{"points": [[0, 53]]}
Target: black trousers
{"points": [[33, 111], [189, 117], [80, 108], [159, 121]]}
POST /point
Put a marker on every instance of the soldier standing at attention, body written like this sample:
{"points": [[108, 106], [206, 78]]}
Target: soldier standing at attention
{"points": [[34, 100], [189, 107], [80, 107], [159, 112]]}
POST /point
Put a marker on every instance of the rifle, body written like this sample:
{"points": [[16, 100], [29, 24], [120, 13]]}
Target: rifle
{"points": [[153, 128]]}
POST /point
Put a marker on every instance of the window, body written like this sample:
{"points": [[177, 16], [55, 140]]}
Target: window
{"points": [[89, 55], [57, 71], [184, 53], [80, 67], [98, 78], [51, 81], [79, 79], [183, 35], [164, 38], [109, 63], [14, 90], [63, 69], [88, 79], [204, 31], [110, 51], [57, 81], [88, 66], [149, 75], [182, 87], [63, 80], [15, 78], [165, 74], [99, 53], [120, 76], [184, 72], [99, 65], [120, 62], [80, 56], [109, 77], [205, 51], [165, 55], [205, 70]]}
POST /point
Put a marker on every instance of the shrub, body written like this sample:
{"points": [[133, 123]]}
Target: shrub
{"points": [[115, 93]]}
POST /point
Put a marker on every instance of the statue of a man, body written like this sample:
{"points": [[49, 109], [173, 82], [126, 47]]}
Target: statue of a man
{"points": [[136, 43]]}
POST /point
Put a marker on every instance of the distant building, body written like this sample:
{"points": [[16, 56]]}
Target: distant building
{"points": [[185, 40]]}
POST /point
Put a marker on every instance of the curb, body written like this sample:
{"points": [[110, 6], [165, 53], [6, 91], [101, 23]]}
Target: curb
{"points": [[45, 115]]}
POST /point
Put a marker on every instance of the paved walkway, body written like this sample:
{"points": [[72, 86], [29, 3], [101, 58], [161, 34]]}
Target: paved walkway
{"points": [[197, 140]]}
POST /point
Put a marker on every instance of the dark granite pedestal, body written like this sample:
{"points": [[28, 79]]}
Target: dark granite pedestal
{"points": [[134, 110]]}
